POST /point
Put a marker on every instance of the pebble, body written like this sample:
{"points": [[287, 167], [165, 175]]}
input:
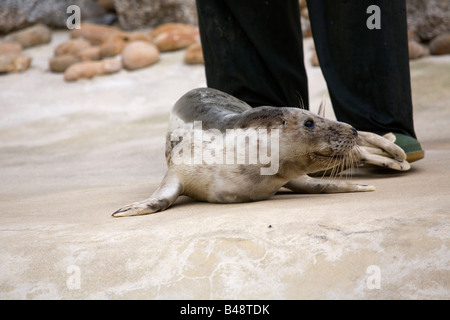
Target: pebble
{"points": [[14, 63], [62, 62], [194, 54], [113, 45], [94, 33], [32, 36], [416, 50], [10, 48], [440, 44], [72, 46], [174, 36], [139, 54], [90, 69]]}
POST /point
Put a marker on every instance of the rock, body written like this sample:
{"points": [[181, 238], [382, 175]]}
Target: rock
{"points": [[91, 53], [18, 14], [90, 69], [194, 54], [10, 48], [169, 27], [113, 45], [94, 33], [416, 50], [304, 13], [71, 46], [62, 62], [139, 54], [31, 36], [302, 4], [413, 36], [174, 40], [440, 44], [170, 37], [306, 28], [314, 59], [14, 63], [135, 36], [137, 14], [107, 5], [428, 18]]}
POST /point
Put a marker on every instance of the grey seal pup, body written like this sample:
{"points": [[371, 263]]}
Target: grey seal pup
{"points": [[221, 150]]}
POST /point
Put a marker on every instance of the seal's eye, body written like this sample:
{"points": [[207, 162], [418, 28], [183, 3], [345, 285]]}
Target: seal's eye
{"points": [[309, 124], [284, 122]]}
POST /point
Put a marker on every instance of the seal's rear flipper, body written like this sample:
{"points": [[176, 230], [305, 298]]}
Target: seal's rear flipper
{"points": [[306, 184], [161, 199]]}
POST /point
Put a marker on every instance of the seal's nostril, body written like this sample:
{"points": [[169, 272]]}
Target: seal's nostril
{"points": [[355, 133]]}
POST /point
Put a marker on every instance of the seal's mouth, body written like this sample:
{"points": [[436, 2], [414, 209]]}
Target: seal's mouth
{"points": [[329, 156]]}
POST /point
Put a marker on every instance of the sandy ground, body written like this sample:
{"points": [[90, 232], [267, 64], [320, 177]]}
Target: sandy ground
{"points": [[73, 153]]}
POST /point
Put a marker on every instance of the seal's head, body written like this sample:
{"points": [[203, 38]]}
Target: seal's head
{"points": [[310, 143]]}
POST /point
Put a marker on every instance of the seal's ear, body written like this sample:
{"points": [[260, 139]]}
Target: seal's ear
{"points": [[321, 111]]}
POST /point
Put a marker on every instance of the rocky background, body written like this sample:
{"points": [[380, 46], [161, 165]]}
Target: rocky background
{"points": [[157, 25]]}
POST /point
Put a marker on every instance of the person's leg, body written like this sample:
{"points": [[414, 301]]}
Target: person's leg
{"points": [[253, 50], [366, 70]]}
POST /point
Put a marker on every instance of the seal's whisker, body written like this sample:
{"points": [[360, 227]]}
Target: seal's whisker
{"points": [[321, 111], [349, 164], [301, 103], [346, 164], [334, 167], [355, 157], [331, 164], [352, 161]]}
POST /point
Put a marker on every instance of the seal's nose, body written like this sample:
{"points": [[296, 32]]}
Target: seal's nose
{"points": [[355, 133]]}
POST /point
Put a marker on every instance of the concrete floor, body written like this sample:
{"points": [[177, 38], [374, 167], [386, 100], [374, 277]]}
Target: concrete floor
{"points": [[73, 153]]}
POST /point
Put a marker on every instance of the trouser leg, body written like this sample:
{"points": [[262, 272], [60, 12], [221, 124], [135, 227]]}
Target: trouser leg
{"points": [[367, 71], [253, 50]]}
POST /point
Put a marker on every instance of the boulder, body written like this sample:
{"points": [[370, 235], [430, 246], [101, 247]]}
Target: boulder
{"points": [[139, 14], [18, 14], [428, 18]]}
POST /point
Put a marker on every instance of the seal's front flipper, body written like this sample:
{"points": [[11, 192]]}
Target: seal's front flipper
{"points": [[161, 199], [307, 184]]}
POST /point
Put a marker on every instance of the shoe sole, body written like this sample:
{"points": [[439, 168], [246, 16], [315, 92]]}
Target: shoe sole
{"points": [[415, 156]]}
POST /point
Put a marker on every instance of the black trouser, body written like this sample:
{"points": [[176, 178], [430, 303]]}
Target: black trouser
{"points": [[253, 51]]}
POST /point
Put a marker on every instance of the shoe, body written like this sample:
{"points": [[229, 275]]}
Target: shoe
{"points": [[411, 147]]}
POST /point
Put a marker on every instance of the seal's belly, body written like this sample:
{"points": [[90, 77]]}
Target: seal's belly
{"points": [[226, 184]]}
